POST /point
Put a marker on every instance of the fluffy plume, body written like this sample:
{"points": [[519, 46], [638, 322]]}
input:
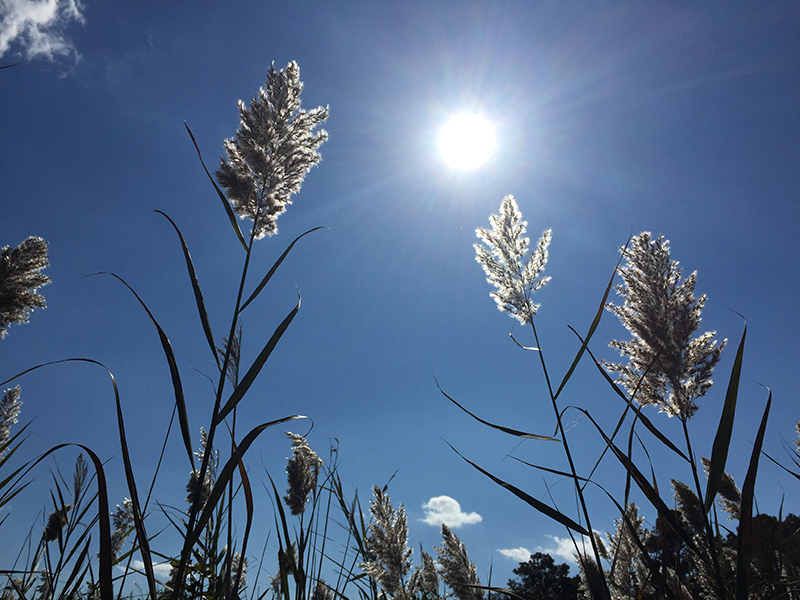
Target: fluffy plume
{"points": [[387, 544], [19, 280], [10, 407], [302, 472], [123, 523], [194, 487], [275, 146], [502, 258], [666, 366], [456, 568], [56, 522], [424, 580]]}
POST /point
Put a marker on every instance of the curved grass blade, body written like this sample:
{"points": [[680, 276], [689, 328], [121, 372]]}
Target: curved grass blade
{"points": [[648, 490], [508, 430], [274, 268], [198, 294], [743, 542], [592, 327], [640, 415], [105, 574], [549, 470], [180, 402], [224, 477], [256, 367], [248, 496], [225, 203], [537, 504], [722, 441]]}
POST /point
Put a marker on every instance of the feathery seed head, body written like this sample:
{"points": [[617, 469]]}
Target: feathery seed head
{"points": [[275, 146], [424, 580], [666, 366], [123, 522], [302, 471], [19, 280], [387, 544], [456, 568], [10, 407], [502, 258], [56, 522]]}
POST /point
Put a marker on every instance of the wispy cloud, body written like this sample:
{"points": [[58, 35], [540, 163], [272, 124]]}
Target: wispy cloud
{"points": [[516, 554], [559, 548], [444, 509], [161, 570], [37, 26]]}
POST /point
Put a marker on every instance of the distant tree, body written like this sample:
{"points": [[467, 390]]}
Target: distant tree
{"points": [[542, 579]]}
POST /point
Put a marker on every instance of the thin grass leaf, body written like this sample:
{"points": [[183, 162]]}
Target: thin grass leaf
{"points": [[248, 497], [76, 576], [105, 574], [256, 367], [224, 477], [743, 543], [640, 415], [274, 268], [592, 327], [722, 441], [177, 386], [549, 470], [225, 203], [198, 294], [508, 430], [648, 490], [537, 504]]}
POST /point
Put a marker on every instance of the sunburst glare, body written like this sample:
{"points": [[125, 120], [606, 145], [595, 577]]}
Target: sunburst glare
{"points": [[467, 141]]}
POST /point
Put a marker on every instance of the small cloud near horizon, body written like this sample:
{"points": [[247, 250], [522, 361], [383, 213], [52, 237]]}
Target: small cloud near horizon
{"points": [[560, 548], [36, 26], [516, 554], [445, 510], [161, 570]]}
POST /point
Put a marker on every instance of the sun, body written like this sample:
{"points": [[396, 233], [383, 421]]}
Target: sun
{"points": [[466, 141]]}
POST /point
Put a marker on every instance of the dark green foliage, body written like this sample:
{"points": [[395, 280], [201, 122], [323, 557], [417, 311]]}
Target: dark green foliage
{"points": [[542, 579]]}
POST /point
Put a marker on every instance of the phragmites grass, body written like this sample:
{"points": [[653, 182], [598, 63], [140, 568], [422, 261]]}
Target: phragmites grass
{"points": [[302, 473], [456, 568], [122, 519], [424, 579], [502, 257], [19, 280], [387, 545], [56, 522], [668, 367], [10, 407], [275, 146]]}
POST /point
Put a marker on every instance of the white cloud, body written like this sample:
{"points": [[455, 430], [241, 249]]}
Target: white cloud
{"points": [[444, 509], [564, 548], [161, 570], [517, 554], [36, 25]]}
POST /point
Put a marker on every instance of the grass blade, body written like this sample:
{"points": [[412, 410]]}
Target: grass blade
{"points": [[225, 203], [224, 477], [508, 430], [743, 543], [592, 327], [274, 268], [180, 401], [537, 504], [198, 294], [648, 490], [256, 367], [722, 441]]}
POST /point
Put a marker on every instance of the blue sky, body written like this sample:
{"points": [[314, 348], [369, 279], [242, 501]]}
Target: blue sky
{"points": [[611, 119]]}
